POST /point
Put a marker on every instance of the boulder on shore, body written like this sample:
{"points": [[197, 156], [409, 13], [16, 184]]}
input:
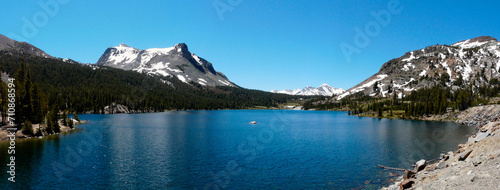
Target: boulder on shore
{"points": [[464, 155], [406, 184], [420, 165]]}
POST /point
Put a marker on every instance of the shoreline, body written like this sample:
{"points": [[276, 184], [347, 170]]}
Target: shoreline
{"points": [[473, 165], [474, 116], [424, 177], [20, 136]]}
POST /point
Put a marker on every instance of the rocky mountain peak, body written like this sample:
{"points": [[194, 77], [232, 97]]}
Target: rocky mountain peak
{"points": [[6, 42], [21, 47], [174, 61], [123, 45], [182, 47], [475, 42], [483, 39]]}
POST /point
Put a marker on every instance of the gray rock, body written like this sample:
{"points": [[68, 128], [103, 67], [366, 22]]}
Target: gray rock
{"points": [[420, 165], [441, 165], [474, 178], [393, 187], [406, 184], [476, 162], [481, 136], [464, 155]]}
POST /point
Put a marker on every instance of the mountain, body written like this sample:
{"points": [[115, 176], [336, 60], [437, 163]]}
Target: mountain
{"points": [[470, 62], [173, 61], [7, 44], [88, 88], [323, 90]]}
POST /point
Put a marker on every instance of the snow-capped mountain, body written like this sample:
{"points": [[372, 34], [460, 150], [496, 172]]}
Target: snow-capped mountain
{"points": [[474, 61], [174, 61], [323, 90]]}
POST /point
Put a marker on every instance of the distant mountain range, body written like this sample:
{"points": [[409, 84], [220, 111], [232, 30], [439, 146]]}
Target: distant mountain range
{"points": [[470, 62], [323, 90], [474, 62], [174, 61]]}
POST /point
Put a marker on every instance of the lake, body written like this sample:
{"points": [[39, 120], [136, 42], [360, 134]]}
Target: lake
{"points": [[220, 150]]}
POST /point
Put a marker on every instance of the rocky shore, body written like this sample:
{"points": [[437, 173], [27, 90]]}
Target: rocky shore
{"points": [[474, 116], [474, 165], [20, 135]]}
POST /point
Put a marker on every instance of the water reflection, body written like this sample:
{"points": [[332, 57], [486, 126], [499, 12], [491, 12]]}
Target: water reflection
{"points": [[178, 150]]}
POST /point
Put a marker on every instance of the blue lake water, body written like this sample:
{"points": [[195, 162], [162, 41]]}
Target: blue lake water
{"points": [[221, 150]]}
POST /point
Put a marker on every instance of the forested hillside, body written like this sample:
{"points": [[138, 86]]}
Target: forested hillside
{"points": [[83, 87]]}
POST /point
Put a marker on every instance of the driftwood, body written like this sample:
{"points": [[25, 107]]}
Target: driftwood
{"points": [[391, 168]]}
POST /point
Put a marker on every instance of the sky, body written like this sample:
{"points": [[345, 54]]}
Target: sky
{"points": [[257, 44]]}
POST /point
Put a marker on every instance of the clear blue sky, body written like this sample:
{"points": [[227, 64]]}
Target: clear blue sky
{"points": [[260, 44]]}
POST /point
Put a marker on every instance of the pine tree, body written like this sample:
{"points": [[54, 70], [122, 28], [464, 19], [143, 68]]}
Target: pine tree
{"points": [[20, 78], [55, 121], [64, 119], [37, 109], [27, 100], [76, 117], [70, 123], [27, 128], [3, 101]]}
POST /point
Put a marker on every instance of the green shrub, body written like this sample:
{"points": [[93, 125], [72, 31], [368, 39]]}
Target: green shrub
{"points": [[27, 128]]}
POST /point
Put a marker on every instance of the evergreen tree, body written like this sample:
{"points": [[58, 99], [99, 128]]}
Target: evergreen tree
{"points": [[20, 79], [64, 119], [27, 99], [37, 109], [70, 123], [76, 117], [27, 128], [50, 124], [3, 101], [55, 121]]}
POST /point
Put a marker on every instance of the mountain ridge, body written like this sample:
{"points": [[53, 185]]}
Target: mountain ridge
{"points": [[323, 90], [176, 61], [474, 61], [8, 44]]}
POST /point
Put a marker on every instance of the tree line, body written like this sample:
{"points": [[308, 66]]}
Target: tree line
{"points": [[48, 86], [435, 100]]}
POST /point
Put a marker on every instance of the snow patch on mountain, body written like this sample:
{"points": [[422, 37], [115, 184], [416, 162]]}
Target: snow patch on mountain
{"points": [[467, 44]]}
